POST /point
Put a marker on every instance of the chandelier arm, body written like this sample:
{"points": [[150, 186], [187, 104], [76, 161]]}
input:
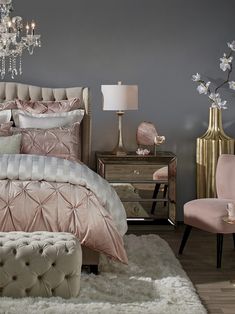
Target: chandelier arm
{"points": [[14, 39]]}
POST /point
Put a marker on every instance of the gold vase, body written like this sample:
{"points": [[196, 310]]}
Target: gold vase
{"points": [[209, 147]]}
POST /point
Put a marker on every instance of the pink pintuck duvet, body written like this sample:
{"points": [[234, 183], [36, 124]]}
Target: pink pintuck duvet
{"points": [[53, 194]]}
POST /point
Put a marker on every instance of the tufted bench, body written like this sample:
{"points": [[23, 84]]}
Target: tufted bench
{"points": [[39, 264]]}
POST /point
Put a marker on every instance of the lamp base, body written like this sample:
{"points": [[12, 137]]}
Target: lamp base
{"points": [[120, 150]]}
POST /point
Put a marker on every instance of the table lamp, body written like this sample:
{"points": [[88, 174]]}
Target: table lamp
{"points": [[120, 98]]}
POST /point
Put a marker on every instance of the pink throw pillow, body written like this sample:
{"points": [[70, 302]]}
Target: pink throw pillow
{"points": [[6, 105], [5, 129], [59, 142], [48, 106]]}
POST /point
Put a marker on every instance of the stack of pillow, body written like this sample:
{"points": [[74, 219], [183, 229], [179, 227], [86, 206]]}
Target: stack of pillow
{"points": [[49, 128]]}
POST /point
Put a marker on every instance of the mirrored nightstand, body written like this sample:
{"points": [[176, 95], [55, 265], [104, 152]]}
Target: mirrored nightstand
{"points": [[145, 184]]}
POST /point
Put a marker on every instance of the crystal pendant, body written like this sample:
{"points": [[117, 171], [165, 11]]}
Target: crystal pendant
{"points": [[13, 42]]}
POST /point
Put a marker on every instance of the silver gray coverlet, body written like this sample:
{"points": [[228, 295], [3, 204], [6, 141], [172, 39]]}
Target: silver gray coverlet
{"points": [[53, 169]]}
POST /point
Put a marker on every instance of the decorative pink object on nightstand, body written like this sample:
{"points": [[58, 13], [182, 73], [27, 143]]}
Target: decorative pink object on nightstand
{"points": [[146, 134]]}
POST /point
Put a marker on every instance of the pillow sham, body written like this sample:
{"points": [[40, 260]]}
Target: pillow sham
{"points": [[49, 106], [5, 129], [9, 104], [46, 121], [59, 142], [5, 116], [10, 144]]}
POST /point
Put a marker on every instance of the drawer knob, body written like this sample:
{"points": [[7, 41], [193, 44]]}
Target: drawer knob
{"points": [[136, 172]]}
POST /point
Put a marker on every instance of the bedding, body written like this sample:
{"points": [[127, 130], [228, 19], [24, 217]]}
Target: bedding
{"points": [[5, 129], [5, 116], [50, 106], [6, 105], [24, 119], [58, 142], [39, 193], [10, 144]]}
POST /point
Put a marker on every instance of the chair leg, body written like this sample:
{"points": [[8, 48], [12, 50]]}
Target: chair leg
{"points": [[234, 240], [220, 238], [155, 193], [164, 194], [185, 238]]}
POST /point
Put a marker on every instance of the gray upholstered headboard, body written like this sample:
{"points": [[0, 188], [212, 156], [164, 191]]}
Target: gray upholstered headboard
{"points": [[11, 91]]}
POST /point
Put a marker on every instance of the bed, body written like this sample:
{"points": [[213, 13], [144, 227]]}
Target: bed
{"points": [[9, 92]]}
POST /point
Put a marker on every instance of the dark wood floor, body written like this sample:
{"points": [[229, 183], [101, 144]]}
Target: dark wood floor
{"points": [[199, 261]]}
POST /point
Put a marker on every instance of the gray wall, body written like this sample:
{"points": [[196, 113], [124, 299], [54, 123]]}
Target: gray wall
{"points": [[156, 44]]}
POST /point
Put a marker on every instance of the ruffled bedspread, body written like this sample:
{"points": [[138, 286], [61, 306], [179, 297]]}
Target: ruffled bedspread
{"points": [[53, 194]]}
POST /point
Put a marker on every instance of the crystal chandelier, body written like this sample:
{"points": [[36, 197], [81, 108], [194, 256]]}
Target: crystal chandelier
{"points": [[13, 41]]}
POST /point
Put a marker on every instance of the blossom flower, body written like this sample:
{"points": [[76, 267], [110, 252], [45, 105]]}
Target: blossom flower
{"points": [[217, 102], [222, 104], [214, 96], [232, 45], [232, 85], [196, 77], [203, 88], [225, 63]]}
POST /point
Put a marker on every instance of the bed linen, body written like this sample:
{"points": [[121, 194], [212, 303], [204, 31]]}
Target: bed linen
{"points": [[25, 119], [58, 142], [54, 194], [5, 129], [10, 144], [50, 106], [5, 116]]}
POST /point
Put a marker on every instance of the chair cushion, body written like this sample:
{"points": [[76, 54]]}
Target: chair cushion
{"points": [[161, 174], [206, 214]]}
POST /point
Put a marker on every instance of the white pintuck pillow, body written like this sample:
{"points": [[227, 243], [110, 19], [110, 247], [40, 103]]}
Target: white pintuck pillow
{"points": [[5, 116], [10, 144], [28, 120]]}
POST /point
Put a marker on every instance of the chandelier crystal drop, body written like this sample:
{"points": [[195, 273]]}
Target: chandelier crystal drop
{"points": [[14, 38]]}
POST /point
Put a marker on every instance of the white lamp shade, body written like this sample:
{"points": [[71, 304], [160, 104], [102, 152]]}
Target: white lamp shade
{"points": [[120, 97]]}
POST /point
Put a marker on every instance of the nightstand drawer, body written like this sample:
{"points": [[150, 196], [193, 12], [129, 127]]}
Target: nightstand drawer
{"points": [[121, 172]]}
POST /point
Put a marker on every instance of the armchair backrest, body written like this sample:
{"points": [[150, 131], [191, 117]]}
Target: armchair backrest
{"points": [[225, 177]]}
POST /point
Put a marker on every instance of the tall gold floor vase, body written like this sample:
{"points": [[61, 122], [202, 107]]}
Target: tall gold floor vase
{"points": [[209, 147]]}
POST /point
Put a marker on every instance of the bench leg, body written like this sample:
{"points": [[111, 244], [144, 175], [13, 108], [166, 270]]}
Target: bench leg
{"points": [[94, 269]]}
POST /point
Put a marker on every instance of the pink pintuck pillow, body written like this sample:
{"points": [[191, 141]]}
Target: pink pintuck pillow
{"points": [[49, 106], [9, 104], [5, 129], [59, 142]]}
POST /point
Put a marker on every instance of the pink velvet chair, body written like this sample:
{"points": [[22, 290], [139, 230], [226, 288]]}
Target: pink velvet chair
{"points": [[206, 214]]}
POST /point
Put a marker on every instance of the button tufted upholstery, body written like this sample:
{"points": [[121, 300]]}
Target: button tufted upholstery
{"points": [[39, 264]]}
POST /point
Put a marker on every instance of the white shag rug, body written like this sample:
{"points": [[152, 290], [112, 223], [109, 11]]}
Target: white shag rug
{"points": [[153, 282]]}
